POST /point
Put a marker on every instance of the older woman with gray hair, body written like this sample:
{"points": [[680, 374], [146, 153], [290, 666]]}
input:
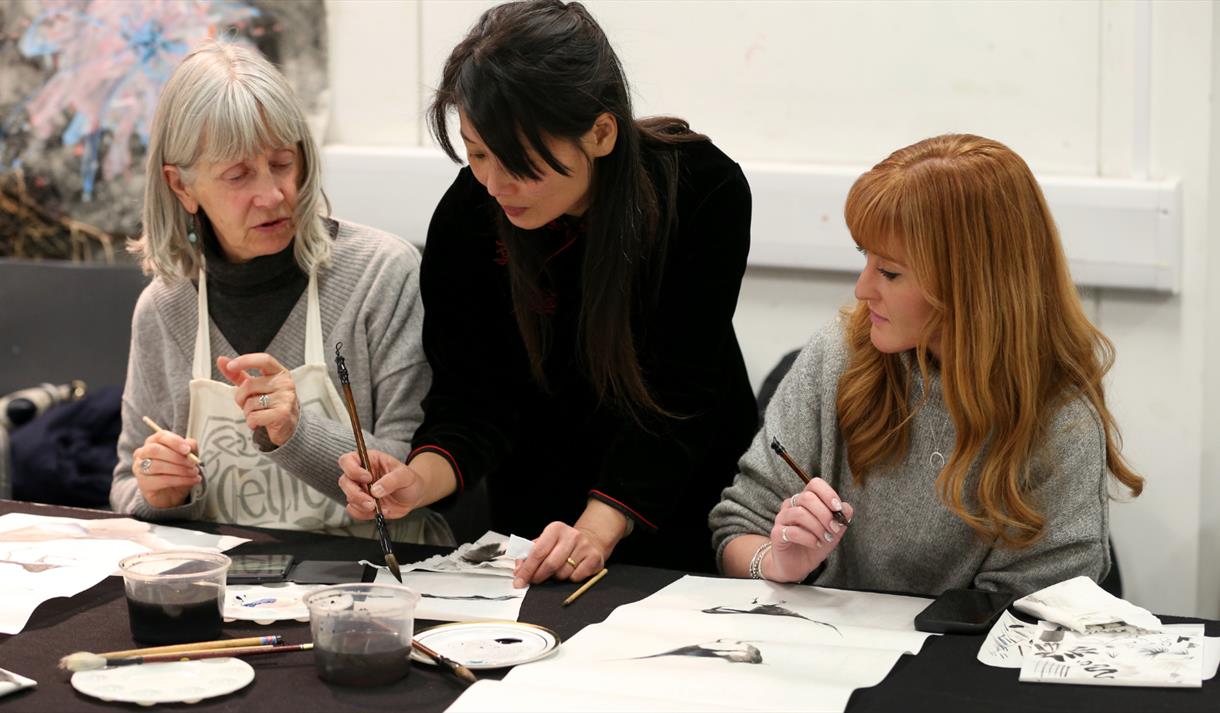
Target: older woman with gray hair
{"points": [[252, 285]]}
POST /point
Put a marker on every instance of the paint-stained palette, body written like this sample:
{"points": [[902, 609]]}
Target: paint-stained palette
{"points": [[488, 644], [267, 603]]}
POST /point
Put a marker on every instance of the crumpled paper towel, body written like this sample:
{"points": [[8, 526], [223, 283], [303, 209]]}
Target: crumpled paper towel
{"points": [[1082, 606]]}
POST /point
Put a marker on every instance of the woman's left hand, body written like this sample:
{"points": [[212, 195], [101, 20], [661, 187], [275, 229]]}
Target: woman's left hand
{"points": [[559, 545], [269, 400]]}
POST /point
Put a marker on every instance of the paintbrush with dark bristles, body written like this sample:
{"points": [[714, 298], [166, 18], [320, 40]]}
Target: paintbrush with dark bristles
{"points": [[780, 451], [386, 547]]}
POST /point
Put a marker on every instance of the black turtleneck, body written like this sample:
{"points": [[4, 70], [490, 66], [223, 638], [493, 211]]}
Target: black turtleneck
{"points": [[249, 301]]}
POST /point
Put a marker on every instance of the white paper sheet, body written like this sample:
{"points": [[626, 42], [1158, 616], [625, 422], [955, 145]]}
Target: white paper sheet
{"points": [[714, 644], [492, 553], [1007, 642], [506, 697], [1010, 639], [12, 682], [1169, 658], [46, 557], [840, 607], [472, 583], [449, 596]]}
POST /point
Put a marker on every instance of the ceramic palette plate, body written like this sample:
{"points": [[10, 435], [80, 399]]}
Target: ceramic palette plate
{"points": [[170, 682], [266, 603], [487, 644]]}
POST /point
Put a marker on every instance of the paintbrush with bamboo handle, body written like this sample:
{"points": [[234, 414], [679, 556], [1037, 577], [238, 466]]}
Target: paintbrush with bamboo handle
{"points": [[458, 669], [382, 534], [87, 661]]}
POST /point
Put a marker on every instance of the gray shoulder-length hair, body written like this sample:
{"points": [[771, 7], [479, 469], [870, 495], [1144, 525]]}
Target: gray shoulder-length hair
{"points": [[224, 103]]}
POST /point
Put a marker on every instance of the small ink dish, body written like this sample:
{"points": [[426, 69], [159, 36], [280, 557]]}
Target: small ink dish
{"points": [[362, 632]]}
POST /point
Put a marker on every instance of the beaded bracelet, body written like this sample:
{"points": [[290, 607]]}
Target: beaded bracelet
{"points": [[756, 560]]}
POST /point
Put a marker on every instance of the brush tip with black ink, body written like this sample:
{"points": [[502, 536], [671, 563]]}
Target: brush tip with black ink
{"points": [[392, 562]]}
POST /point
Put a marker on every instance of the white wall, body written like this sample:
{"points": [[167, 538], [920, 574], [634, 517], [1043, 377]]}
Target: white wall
{"points": [[1112, 89], [1209, 503]]}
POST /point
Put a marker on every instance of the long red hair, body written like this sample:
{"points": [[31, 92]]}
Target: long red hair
{"points": [[1014, 341]]}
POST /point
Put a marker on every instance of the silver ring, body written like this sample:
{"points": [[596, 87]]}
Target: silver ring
{"points": [[265, 401], [783, 534], [146, 465], [792, 500]]}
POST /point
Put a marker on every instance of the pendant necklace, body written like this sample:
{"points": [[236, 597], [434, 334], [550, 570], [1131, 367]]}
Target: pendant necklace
{"points": [[937, 459]]}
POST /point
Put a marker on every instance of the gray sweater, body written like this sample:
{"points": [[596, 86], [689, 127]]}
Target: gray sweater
{"points": [[369, 300], [903, 537]]}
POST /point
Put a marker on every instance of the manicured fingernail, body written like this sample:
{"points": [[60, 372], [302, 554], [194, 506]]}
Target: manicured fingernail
{"points": [[518, 583], [378, 491], [184, 449], [834, 527], [834, 503], [370, 505], [829, 537]]}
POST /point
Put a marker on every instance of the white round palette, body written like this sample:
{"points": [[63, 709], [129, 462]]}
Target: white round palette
{"points": [[267, 603], [487, 644], [171, 682]]}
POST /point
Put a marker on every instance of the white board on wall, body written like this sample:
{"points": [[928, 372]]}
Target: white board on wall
{"points": [[1117, 233]]}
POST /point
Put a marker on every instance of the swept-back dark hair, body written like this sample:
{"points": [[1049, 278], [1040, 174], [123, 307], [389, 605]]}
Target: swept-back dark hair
{"points": [[539, 69]]}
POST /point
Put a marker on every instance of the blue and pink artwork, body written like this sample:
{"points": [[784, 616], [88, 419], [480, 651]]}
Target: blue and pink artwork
{"points": [[79, 81]]}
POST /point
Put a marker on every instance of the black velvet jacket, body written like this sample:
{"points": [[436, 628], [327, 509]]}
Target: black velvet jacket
{"points": [[545, 451]]}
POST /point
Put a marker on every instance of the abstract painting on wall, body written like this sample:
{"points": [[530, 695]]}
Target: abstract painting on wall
{"points": [[79, 81]]}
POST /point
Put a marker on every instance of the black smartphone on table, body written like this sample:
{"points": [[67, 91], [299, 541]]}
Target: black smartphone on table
{"points": [[962, 611], [259, 569]]}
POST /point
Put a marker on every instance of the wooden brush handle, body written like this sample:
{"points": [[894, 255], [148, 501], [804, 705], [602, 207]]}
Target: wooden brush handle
{"points": [[458, 669], [210, 654], [199, 646]]}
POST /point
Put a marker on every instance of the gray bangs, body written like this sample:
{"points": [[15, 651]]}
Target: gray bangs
{"points": [[244, 124]]}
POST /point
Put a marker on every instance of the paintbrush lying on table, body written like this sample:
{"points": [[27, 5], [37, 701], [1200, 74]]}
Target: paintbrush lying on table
{"points": [[191, 655], [386, 547], [458, 669], [88, 661]]}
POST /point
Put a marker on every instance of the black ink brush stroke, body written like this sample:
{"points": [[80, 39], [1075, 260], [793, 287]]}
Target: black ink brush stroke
{"points": [[471, 597], [769, 610], [743, 653]]}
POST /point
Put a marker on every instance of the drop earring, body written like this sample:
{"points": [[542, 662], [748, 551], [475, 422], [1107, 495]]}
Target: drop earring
{"points": [[192, 230]]}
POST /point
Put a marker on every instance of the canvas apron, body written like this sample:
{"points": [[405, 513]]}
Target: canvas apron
{"points": [[244, 486]]}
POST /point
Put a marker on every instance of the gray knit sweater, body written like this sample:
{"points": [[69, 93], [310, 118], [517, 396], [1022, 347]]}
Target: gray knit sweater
{"points": [[369, 299], [903, 537]]}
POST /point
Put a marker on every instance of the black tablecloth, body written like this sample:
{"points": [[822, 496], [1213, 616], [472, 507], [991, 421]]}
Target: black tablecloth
{"points": [[945, 676]]}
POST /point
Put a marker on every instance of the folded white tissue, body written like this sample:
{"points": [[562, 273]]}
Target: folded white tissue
{"points": [[1082, 606]]}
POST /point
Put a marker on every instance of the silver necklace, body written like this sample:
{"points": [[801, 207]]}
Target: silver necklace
{"points": [[937, 459]]}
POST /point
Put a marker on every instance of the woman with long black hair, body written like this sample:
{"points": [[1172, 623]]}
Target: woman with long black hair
{"points": [[579, 284]]}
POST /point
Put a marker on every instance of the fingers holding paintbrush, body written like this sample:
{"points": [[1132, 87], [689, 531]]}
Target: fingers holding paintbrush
{"points": [[399, 489], [826, 493], [165, 467], [157, 429], [383, 535]]}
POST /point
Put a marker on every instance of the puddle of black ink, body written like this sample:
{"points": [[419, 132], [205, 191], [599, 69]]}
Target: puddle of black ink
{"points": [[508, 641]]}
